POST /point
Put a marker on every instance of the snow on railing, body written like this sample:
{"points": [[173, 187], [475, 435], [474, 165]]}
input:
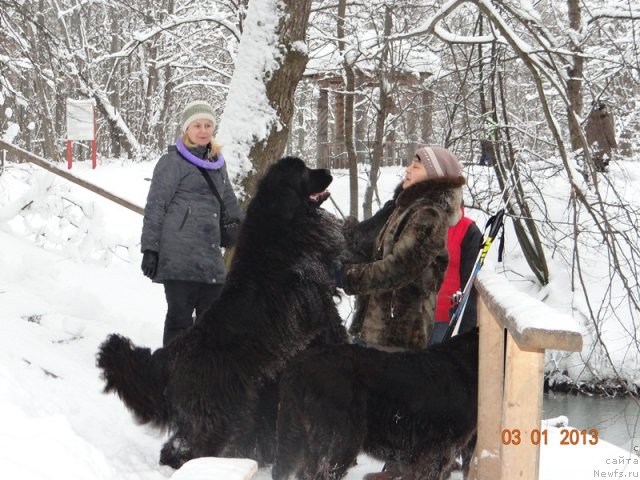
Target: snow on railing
{"points": [[531, 322]]}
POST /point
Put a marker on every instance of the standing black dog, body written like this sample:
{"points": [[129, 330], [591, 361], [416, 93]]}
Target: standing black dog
{"points": [[210, 386], [418, 409]]}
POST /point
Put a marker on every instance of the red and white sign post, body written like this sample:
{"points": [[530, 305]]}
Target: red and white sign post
{"points": [[81, 125]]}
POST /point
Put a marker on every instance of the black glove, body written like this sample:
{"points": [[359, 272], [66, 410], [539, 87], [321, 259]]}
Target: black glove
{"points": [[149, 263]]}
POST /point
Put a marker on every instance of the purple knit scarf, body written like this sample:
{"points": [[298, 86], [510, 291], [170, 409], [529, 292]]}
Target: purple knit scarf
{"points": [[198, 162]]}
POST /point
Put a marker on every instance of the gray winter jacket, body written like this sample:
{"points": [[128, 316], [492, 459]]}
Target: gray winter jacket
{"points": [[182, 219]]}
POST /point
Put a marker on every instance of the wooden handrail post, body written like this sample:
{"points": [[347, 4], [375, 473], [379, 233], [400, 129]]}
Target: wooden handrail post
{"points": [[510, 381], [522, 411], [486, 464]]}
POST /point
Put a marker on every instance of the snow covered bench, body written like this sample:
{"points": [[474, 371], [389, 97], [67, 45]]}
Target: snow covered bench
{"points": [[511, 375]]}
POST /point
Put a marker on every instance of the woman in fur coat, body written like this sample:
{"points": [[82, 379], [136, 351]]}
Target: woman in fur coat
{"points": [[410, 254]]}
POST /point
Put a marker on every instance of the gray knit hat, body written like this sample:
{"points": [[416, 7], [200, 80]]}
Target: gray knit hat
{"points": [[438, 161], [198, 110]]}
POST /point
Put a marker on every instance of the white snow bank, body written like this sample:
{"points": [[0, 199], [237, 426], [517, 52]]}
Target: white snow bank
{"points": [[207, 468], [47, 448], [578, 458]]}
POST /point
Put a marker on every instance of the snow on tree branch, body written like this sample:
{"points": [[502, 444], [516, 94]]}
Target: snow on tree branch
{"points": [[143, 36]]}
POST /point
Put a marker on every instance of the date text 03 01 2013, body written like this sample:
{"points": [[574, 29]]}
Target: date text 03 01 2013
{"points": [[568, 436]]}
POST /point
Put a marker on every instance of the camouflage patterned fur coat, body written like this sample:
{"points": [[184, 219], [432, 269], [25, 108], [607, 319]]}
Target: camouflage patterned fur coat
{"points": [[409, 262]]}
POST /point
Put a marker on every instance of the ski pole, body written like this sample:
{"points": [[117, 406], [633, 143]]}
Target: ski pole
{"points": [[495, 223]]}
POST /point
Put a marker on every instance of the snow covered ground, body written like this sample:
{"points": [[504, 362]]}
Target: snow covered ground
{"points": [[69, 275]]}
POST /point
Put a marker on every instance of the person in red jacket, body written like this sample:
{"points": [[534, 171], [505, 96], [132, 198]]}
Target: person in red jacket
{"points": [[463, 244]]}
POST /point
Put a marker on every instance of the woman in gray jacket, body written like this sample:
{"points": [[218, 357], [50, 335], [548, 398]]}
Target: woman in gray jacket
{"points": [[181, 233]]}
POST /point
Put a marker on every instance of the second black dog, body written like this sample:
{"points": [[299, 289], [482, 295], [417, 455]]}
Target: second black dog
{"points": [[416, 409]]}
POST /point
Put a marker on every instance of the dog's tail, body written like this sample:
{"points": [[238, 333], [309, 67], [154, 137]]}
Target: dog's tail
{"points": [[137, 376]]}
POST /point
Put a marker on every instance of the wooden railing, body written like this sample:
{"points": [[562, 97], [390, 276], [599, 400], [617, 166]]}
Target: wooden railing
{"points": [[20, 155], [515, 330]]}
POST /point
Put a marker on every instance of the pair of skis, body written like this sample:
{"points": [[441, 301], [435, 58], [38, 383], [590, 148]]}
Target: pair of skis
{"points": [[494, 225]]}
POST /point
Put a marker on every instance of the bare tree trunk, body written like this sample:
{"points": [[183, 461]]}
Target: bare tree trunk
{"points": [[413, 124], [322, 159], [163, 121], [242, 6], [391, 137], [338, 130], [360, 121], [281, 87], [574, 84], [489, 119], [352, 160], [300, 120], [38, 45], [508, 173], [426, 117], [22, 117], [377, 154], [152, 82], [114, 96], [167, 91], [383, 110]]}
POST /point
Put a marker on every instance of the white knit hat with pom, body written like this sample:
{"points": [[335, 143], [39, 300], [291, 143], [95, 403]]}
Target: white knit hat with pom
{"points": [[198, 110]]}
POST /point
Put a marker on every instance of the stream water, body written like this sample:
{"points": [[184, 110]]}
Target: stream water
{"points": [[617, 419]]}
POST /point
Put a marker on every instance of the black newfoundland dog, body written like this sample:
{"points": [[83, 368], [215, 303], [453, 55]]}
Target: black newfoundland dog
{"points": [[214, 388], [417, 410]]}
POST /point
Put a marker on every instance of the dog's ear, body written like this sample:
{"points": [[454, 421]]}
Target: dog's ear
{"points": [[287, 203]]}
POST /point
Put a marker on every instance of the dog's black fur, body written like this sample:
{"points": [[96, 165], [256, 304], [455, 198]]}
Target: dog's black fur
{"points": [[415, 408], [215, 387]]}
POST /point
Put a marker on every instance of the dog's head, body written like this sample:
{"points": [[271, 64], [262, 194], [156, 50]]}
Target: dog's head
{"points": [[289, 186]]}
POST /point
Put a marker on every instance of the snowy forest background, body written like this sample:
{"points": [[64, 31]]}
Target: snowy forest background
{"points": [[516, 77]]}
